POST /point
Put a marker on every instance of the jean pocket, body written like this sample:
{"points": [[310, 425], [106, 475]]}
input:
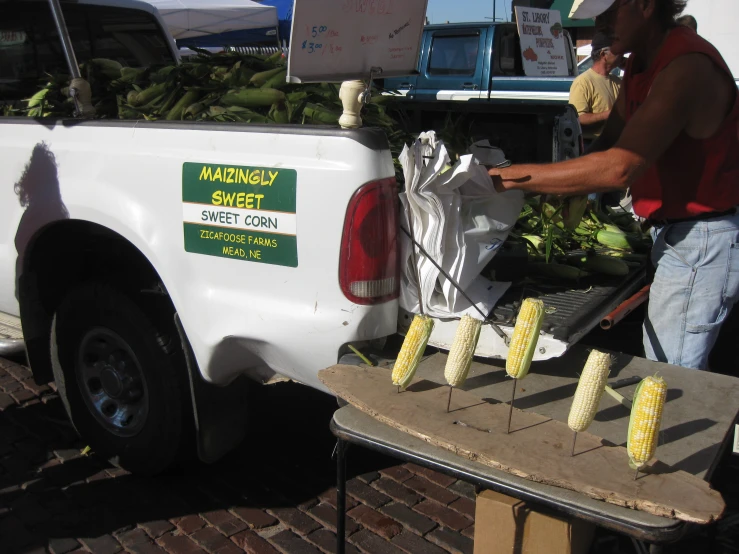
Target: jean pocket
{"points": [[685, 242], [731, 288], [697, 328]]}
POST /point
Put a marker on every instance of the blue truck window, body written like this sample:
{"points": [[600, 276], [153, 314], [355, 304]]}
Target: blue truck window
{"points": [[454, 55]]}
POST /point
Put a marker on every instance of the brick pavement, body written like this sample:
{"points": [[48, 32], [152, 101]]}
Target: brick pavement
{"points": [[273, 494], [55, 499]]}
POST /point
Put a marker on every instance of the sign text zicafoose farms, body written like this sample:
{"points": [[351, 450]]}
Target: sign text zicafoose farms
{"points": [[240, 212]]}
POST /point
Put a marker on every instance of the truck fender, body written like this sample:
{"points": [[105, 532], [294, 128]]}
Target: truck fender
{"points": [[220, 412]]}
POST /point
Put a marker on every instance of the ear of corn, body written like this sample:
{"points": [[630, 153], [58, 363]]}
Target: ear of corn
{"points": [[613, 239], [557, 271], [524, 339], [589, 391], [604, 264], [277, 80], [178, 110], [275, 58], [278, 113], [535, 243], [553, 214], [147, 95], [413, 347], [253, 98], [320, 115], [463, 349], [110, 68], [262, 77], [573, 211], [645, 420]]}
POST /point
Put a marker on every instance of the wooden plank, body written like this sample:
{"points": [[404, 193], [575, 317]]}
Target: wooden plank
{"points": [[538, 448]]}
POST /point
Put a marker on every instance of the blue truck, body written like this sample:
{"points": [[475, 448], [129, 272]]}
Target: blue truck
{"points": [[476, 69]]}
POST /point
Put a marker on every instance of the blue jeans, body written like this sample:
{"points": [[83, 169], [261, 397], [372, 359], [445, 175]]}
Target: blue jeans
{"points": [[695, 286]]}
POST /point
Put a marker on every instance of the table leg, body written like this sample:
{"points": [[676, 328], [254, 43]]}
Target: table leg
{"points": [[340, 495]]}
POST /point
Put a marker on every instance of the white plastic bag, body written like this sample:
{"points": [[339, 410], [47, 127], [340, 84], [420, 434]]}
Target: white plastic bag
{"points": [[460, 220]]}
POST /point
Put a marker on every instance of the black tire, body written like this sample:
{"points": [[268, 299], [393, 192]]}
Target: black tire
{"points": [[147, 437]]}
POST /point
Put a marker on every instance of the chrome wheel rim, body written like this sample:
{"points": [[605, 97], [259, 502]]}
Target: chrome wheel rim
{"points": [[112, 383]]}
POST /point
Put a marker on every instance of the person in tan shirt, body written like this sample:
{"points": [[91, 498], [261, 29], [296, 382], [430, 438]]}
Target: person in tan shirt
{"points": [[594, 93]]}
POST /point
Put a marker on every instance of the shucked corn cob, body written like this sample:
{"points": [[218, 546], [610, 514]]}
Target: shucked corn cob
{"points": [[463, 349], [525, 337], [646, 417], [590, 388], [410, 353]]}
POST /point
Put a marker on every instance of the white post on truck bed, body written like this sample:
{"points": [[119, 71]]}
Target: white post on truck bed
{"points": [[79, 89]]}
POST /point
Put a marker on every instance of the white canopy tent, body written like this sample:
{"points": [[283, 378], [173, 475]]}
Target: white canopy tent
{"points": [[195, 18]]}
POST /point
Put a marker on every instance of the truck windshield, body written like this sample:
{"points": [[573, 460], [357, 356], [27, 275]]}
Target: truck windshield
{"points": [[30, 47]]}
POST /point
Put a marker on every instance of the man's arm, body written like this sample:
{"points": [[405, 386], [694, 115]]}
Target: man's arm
{"points": [[593, 118], [655, 125]]}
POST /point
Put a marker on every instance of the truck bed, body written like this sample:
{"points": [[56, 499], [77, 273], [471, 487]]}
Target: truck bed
{"points": [[572, 310]]}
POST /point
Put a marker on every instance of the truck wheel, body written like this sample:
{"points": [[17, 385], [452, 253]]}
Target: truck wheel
{"points": [[116, 374]]}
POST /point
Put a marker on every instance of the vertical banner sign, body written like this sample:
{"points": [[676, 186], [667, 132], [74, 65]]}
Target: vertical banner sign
{"points": [[542, 42], [239, 212]]}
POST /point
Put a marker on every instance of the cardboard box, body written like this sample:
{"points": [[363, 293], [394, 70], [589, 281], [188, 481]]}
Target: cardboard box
{"points": [[506, 525]]}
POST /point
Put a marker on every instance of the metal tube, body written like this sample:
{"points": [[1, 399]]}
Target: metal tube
{"points": [[61, 27], [625, 308]]}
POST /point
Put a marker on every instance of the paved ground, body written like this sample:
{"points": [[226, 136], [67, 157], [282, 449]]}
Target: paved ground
{"points": [[273, 494]]}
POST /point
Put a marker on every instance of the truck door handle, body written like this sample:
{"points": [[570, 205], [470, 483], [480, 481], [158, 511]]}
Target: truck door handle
{"points": [[471, 86], [406, 85]]}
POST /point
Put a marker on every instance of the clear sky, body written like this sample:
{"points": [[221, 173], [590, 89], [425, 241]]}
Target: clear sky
{"points": [[441, 11]]}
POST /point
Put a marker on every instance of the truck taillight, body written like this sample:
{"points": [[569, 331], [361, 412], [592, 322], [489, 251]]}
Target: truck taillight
{"points": [[368, 268]]}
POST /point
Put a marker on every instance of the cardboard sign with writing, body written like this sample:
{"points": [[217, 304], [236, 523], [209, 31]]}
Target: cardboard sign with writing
{"points": [[542, 42], [339, 40]]}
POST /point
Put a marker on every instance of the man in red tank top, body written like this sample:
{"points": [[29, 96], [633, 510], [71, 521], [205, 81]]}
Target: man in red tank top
{"points": [[673, 139]]}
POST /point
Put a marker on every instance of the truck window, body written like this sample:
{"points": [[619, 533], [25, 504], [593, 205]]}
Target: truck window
{"points": [[30, 47], [454, 54]]}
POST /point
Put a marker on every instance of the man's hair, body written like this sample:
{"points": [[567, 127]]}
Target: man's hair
{"points": [[688, 21], [669, 10]]}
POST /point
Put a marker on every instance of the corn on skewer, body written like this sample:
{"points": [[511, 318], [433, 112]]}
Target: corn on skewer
{"points": [[645, 420], [460, 354], [523, 344], [525, 336], [589, 391], [410, 353]]}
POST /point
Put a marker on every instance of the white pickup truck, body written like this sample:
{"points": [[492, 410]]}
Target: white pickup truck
{"points": [[157, 265]]}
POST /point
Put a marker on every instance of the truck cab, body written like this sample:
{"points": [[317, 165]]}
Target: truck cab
{"points": [[480, 61]]}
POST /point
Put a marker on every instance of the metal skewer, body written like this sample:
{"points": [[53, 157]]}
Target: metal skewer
{"points": [[449, 401], [510, 410], [486, 320], [636, 474], [574, 438]]}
